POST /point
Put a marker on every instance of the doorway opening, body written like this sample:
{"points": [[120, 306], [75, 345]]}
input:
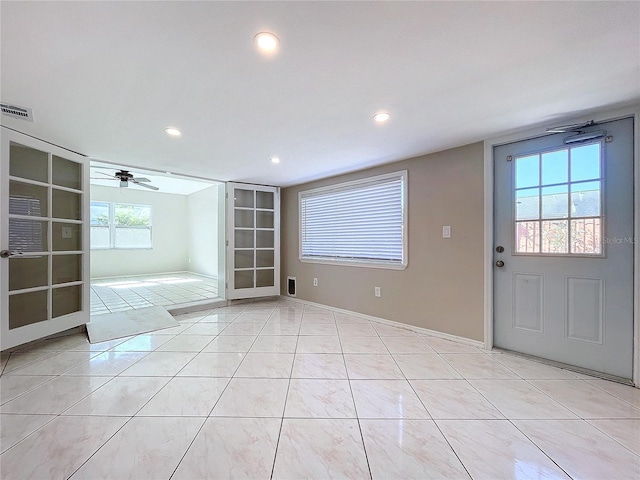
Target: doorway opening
{"points": [[157, 239]]}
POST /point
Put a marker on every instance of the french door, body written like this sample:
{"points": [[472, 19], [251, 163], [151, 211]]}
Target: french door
{"points": [[563, 275], [253, 245], [44, 239]]}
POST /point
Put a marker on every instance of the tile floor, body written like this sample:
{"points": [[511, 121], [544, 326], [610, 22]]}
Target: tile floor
{"points": [[123, 293], [281, 390]]}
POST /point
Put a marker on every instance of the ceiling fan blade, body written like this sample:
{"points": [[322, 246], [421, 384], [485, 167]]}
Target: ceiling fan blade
{"points": [[145, 185], [142, 179], [105, 174], [100, 178]]}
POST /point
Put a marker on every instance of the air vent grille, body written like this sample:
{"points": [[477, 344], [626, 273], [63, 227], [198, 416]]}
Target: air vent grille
{"points": [[22, 113]]}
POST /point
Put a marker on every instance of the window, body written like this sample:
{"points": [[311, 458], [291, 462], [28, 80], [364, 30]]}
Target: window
{"points": [[558, 202], [119, 225], [359, 223]]}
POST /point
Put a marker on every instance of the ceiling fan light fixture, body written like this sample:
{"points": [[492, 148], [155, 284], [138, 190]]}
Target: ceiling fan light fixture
{"points": [[381, 117], [266, 42], [172, 131]]}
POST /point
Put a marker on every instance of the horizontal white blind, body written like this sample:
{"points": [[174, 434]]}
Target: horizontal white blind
{"points": [[361, 221]]}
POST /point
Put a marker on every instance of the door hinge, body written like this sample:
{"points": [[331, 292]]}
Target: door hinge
{"points": [[608, 138], [226, 195], [509, 158], [227, 243], [226, 285]]}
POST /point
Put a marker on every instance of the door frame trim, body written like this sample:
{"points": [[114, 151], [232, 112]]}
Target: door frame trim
{"points": [[538, 131]]}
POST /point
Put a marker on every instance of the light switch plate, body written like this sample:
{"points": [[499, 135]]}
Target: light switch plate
{"points": [[446, 231]]}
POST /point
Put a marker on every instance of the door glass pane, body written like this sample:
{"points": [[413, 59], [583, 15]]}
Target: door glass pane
{"points": [[586, 236], [244, 259], [28, 235], [66, 236], [66, 300], [264, 219], [555, 236], [243, 239], [66, 268], [528, 204], [555, 201], [528, 171], [264, 200], [264, 238], [27, 308], [555, 167], [585, 199], [527, 237], [243, 198], [66, 173], [264, 278], [25, 162], [244, 218], [25, 199], [28, 272], [264, 258], [66, 204], [585, 162], [243, 279]]}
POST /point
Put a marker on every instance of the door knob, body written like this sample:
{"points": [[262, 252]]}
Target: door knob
{"points": [[499, 249], [500, 263]]}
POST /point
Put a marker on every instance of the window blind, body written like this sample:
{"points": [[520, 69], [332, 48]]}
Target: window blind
{"points": [[360, 221]]}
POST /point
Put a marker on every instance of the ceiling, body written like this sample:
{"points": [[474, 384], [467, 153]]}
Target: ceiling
{"points": [[106, 78]]}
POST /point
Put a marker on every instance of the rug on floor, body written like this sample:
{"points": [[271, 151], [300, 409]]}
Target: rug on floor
{"points": [[129, 322]]}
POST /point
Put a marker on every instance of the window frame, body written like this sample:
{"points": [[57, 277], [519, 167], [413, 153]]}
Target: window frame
{"points": [[111, 225], [403, 176]]}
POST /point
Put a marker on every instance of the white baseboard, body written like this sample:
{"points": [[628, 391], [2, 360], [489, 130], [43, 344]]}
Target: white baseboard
{"points": [[423, 331], [156, 273]]}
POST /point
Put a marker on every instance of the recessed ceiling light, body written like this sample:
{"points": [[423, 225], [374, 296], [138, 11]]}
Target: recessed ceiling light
{"points": [[174, 132], [267, 42], [275, 160], [382, 117]]}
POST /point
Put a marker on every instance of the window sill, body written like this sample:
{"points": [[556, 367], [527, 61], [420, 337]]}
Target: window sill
{"points": [[355, 263]]}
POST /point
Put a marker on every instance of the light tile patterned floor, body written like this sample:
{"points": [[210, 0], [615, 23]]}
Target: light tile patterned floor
{"points": [[124, 293], [281, 390]]}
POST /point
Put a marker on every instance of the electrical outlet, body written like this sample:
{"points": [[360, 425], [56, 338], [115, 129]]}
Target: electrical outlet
{"points": [[376, 291], [315, 282]]}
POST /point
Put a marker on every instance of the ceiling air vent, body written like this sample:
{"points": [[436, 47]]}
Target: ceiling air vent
{"points": [[17, 112]]}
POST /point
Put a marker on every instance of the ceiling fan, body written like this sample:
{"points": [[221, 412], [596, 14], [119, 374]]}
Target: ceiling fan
{"points": [[125, 177]]}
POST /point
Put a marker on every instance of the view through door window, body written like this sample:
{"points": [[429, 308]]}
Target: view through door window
{"points": [[558, 201]]}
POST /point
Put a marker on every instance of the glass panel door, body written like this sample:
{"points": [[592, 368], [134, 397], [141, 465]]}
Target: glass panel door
{"points": [[44, 263], [254, 241]]}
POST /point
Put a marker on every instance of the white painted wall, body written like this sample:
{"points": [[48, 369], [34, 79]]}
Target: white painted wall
{"points": [[203, 231], [169, 235]]}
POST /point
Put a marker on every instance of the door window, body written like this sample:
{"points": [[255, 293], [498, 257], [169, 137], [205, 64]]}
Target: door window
{"points": [[558, 201]]}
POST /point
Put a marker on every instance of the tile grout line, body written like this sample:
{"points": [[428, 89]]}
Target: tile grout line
{"points": [[353, 400], [286, 397]]}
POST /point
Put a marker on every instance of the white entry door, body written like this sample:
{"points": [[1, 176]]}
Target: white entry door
{"points": [[253, 245], [44, 240], [563, 274]]}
